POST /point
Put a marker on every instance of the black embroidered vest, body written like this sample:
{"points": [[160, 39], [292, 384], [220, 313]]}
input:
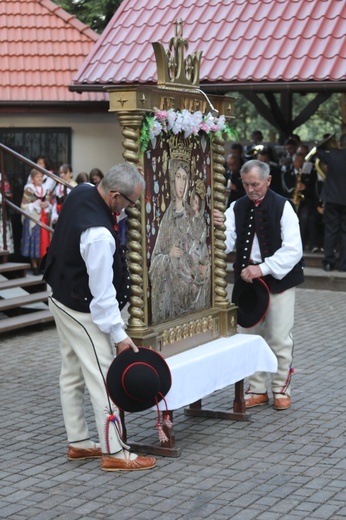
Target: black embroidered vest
{"points": [[265, 221], [65, 270]]}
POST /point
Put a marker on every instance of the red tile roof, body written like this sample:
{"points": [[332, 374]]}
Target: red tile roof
{"points": [[41, 48], [242, 40]]}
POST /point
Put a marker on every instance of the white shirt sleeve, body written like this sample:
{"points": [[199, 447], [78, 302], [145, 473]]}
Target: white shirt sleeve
{"points": [[291, 250], [97, 247], [231, 235], [286, 257]]}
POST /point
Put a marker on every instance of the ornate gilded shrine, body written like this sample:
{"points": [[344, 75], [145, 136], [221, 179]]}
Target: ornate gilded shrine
{"points": [[176, 257]]}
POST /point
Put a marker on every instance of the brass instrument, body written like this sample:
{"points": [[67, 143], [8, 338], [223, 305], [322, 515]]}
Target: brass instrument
{"points": [[297, 196], [326, 144], [253, 152]]}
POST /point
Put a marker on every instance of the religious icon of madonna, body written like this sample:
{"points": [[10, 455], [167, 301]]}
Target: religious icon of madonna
{"points": [[180, 265]]}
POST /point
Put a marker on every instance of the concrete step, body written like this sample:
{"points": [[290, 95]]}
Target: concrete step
{"points": [[16, 268], [25, 281], [23, 297], [21, 301], [25, 320], [313, 259], [315, 278]]}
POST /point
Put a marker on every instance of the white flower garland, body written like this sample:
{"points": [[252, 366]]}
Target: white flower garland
{"points": [[186, 122], [183, 122]]}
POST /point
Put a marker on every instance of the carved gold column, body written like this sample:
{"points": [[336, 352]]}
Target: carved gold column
{"points": [[228, 318], [130, 124], [220, 282]]}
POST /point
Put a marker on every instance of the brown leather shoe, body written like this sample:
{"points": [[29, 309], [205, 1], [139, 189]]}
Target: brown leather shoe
{"points": [[82, 453], [115, 464], [282, 401], [252, 400]]}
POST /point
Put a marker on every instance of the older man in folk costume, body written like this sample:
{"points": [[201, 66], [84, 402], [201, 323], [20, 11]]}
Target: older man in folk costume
{"points": [[264, 229]]}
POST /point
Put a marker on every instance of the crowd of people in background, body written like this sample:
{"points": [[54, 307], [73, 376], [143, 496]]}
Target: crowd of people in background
{"points": [[303, 182], [43, 198], [319, 204]]}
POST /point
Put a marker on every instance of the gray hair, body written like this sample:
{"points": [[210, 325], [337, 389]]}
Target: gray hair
{"points": [[122, 177], [263, 169]]}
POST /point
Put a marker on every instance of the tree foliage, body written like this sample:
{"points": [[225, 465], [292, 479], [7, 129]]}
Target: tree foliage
{"points": [[95, 13], [327, 118]]}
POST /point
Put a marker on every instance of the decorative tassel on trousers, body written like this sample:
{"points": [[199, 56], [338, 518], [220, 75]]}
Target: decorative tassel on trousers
{"points": [[166, 421], [113, 421]]}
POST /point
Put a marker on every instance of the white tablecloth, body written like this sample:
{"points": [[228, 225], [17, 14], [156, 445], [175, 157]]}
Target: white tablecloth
{"points": [[202, 370]]}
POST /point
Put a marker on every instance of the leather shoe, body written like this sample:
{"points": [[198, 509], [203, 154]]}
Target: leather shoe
{"points": [[282, 401], [328, 267], [252, 400], [116, 464], [83, 453]]}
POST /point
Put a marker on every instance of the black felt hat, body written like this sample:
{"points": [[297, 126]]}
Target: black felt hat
{"points": [[252, 300], [137, 381]]}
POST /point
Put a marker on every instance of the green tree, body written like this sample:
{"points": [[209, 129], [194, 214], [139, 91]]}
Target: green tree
{"points": [[95, 13], [326, 119]]}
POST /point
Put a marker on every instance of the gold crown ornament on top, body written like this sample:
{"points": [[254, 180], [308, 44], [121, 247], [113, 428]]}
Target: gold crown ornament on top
{"points": [[180, 74], [173, 69]]}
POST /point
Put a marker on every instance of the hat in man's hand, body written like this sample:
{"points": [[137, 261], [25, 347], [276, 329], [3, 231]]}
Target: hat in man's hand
{"points": [[252, 300], [137, 381]]}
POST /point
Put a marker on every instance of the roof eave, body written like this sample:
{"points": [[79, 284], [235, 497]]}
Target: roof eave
{"points": [[224, 88], [277, 86], [83, 87]]}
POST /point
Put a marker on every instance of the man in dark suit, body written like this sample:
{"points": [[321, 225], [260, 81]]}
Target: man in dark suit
{"points": [[234, 187], [334, 196], [275, 172]]}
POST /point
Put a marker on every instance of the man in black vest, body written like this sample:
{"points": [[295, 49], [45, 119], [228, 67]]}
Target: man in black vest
{"points": [[264, 229], [87, 274], [334, 196]]}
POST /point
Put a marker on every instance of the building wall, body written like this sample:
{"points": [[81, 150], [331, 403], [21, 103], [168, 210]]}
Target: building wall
{"points": [[96, 138]]}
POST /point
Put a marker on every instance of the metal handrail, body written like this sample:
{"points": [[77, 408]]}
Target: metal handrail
{"points": [[25, 214], [17, 209]]}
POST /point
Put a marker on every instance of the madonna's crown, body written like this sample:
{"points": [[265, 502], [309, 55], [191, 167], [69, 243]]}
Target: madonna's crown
{"points": [[180, 148]]}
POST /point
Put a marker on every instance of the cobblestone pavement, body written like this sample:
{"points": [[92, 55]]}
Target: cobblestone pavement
{"points": [[280, 465]]}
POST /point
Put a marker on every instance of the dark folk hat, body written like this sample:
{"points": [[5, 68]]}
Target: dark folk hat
{"points": [[252, 300], [137, 381]]}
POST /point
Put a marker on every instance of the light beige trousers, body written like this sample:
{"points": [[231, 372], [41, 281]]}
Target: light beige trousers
{"points": [[86, 356], [276, 328]]}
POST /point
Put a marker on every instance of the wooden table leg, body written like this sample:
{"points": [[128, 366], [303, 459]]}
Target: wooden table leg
{"points": [[239, 410], [239, 401], [164, 449]]}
